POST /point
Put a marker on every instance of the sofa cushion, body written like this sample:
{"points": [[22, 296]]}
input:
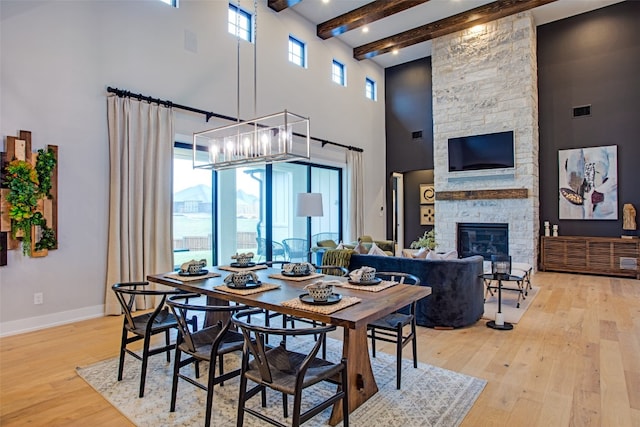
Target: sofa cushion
{"points": [[327, 244], [375, 250]]}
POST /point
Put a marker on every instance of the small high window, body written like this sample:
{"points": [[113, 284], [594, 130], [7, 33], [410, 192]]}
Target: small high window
{"points": [[297, 52], [338, 73], [173, 3], [370, 89], [240, 23]]}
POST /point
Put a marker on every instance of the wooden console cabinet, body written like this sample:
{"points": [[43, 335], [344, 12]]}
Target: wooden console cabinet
{"points": [[611, 256]]}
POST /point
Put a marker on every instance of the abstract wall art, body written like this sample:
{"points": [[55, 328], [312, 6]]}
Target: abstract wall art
{"points": [[588, 183]]}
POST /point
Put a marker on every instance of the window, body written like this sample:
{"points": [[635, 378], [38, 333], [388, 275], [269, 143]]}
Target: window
{"points": [[297, 52], [370, 89], [337, 73], [240, 23], [173, 3]]}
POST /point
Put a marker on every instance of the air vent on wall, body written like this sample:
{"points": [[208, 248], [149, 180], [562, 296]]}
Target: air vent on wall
{"points": [[416, 135], [582, 111]]}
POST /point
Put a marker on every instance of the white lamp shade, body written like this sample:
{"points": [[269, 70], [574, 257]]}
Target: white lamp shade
{"points": [[309, 204]]}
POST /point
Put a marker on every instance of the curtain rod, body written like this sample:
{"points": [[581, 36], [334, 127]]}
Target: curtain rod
{"points": [[126, 94]]}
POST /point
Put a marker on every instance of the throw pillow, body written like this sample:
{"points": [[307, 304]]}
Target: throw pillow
{"points": [[422, 253], [375, 250], [340, 246], [408, 253], [360, 249], [327, 244], [450, 255], [433, 255]]}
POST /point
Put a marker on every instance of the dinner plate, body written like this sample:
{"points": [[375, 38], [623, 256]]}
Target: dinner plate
{"points": [[333, 299], [235, 264], [248, 285], [187, 274], [375, 281], [292, 274]]}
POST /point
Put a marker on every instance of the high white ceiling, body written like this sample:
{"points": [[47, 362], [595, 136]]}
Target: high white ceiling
{"points": [[317, 11]]}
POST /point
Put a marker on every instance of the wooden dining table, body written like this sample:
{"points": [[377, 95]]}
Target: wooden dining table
{"points": [[353, 319]]}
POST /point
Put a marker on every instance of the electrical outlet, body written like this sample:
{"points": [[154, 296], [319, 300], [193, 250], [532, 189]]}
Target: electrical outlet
{"points": [[38, 298]]}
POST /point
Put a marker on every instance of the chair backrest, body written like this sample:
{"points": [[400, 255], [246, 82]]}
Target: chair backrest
{"points": [[334, 270], [256, 337], [126, 293], [404, 278], [184, 311], [295, 247]]}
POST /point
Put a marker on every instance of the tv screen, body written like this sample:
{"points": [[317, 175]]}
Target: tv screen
{"points": [[490, 151]]}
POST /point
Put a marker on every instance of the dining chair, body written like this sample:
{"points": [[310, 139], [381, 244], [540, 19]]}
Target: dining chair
{"points": [[296, 249], [144, 326], [287, 371], [390, 328], [277, 249], [205, 345]]}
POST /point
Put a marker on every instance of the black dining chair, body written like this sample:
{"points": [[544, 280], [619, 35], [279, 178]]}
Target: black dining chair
{"points": [[287, 371], [208, 344], [144, 326], [390, 328]]}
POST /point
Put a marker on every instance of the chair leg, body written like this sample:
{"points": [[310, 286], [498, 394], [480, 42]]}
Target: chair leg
{"points": [[398, 355], [414, 344], [210, 385], [167, 340], [241, 400], [174, 382], [123, 346], [297, 406], [345, 398], [145, 359], [373, 342], [285, 405], [221, 366]]}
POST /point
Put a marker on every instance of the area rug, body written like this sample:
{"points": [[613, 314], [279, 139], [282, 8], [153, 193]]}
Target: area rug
{"points": [[512, 314], [430, 396]]}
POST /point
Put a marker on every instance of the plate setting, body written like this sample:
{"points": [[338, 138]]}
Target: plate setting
{"points": [[187, 274], [375, 281], [333, 299], [236, 265], [248, 285], [292, 274]]}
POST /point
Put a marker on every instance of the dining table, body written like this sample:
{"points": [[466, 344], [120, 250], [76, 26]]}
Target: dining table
{"points": [[353, 319]]}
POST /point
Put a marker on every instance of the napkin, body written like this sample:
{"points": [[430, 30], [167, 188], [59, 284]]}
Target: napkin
{"points": [[288, 268], [356, 274]]}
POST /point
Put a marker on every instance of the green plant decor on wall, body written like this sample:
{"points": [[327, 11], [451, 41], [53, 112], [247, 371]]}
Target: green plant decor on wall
{"points": [[26, 185]]}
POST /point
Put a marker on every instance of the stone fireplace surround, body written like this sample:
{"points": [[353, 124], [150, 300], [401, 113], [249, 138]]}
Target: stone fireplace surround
{"points": [[484, 81]]}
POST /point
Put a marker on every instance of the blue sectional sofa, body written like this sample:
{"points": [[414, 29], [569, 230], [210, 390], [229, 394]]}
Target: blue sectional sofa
{"points": [[457, 291]]}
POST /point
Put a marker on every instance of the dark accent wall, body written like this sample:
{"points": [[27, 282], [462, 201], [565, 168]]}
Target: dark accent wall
{"points": [[590, 59], [409, 109], [412, 181]]}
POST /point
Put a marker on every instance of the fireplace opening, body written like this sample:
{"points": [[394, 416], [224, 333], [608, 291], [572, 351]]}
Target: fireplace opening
{"points": [[484, 239]]}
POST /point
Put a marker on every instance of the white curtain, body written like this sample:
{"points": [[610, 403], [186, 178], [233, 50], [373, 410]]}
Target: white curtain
{"points": [[140, 194], [355, 188]]}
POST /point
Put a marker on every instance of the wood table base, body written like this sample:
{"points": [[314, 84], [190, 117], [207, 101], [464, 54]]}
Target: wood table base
{"points": [[362, 384]]}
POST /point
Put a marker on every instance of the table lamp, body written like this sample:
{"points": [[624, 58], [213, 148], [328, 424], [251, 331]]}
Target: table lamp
{"points": [[309, 205]]}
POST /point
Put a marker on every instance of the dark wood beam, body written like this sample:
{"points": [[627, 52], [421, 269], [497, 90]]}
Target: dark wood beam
{"points": [[462, 21], [363, 15], [280, 5]]}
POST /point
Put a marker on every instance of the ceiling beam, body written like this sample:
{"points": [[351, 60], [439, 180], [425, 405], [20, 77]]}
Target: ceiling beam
{"points": [[362, 16], [462, 21], [280, 5]]}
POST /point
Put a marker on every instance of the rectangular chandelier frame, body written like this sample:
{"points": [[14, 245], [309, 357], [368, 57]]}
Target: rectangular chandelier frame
{"points": [[279, 137]]}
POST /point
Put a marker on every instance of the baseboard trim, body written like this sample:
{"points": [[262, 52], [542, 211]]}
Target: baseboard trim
{"points": [[30, 324]]}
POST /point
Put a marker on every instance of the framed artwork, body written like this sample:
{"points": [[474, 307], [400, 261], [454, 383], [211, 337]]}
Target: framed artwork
{"points": [[427, 215], [427, 194], [588, 183]]}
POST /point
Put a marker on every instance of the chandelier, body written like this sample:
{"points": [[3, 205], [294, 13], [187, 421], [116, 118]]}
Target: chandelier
{"points": [[279, 137]]}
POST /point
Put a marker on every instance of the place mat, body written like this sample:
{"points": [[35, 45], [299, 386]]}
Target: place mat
{"points": [[296, 279], [370, 288], [242, 269], [322, 309], [264, 287], [176, 276]]}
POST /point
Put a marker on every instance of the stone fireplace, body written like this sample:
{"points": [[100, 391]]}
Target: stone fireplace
{"points": [[485, 81]]}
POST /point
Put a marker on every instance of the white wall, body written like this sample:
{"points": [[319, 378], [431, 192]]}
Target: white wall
{"points": [[58, 57]]}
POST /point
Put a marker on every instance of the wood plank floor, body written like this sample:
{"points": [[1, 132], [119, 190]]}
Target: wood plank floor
{"points": [[573, 360]]}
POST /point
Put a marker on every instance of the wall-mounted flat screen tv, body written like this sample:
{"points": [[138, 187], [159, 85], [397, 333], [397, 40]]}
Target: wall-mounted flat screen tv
{"points": [[478, 152]]}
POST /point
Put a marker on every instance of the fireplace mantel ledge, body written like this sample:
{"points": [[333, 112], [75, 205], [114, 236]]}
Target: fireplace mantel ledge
{"points": [[507, 193]]}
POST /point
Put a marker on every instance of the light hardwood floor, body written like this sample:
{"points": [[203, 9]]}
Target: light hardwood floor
{"points": [[573, 360]]}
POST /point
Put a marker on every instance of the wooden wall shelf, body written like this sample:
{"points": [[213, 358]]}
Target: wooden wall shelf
{"points": [[508, 193], [610, 256]]}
